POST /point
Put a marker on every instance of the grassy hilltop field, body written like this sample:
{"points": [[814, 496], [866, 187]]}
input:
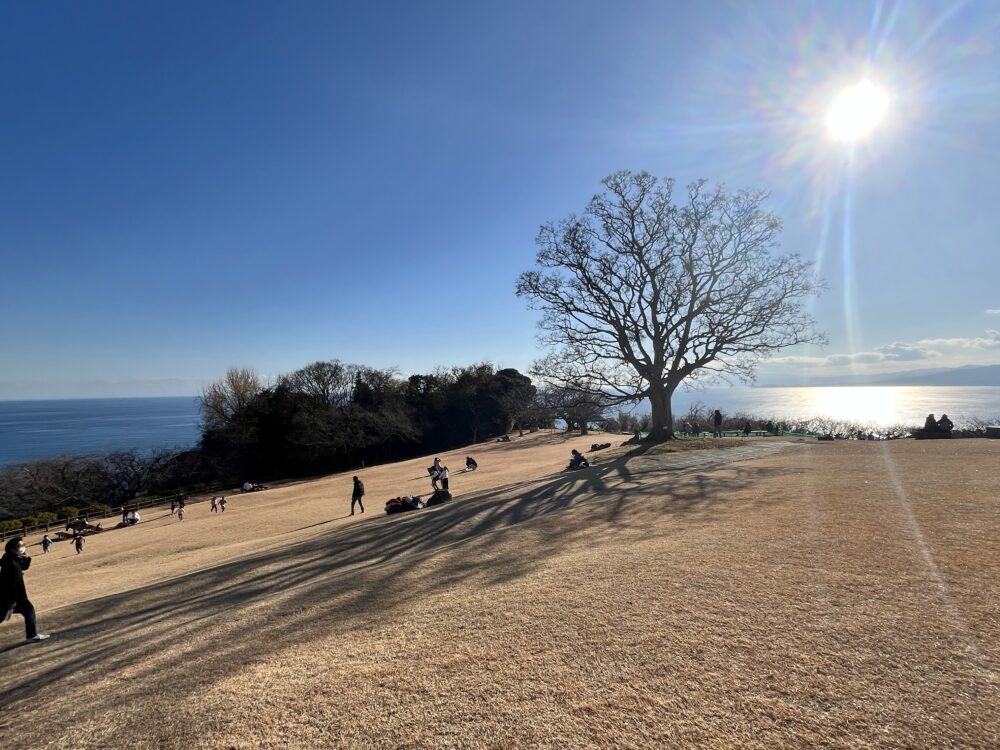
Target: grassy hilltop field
{"points": [[752, 594]]}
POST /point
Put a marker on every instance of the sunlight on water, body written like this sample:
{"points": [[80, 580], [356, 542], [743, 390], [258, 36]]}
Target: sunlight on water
{"points": [[876, 405]]}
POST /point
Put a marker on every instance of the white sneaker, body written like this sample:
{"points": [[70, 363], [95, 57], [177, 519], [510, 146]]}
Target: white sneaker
{"points": [[39, 637]]}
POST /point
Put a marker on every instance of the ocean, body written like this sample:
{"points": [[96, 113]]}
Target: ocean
{"points": [[31, 430], [883, 405]]}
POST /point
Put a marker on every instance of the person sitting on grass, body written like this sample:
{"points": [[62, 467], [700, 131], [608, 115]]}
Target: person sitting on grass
{"points": [[470, 464], [945, 425], [577, 461]]}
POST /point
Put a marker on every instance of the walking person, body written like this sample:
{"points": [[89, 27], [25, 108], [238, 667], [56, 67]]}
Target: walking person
{"points": [[78, 542], [215, 504], [222, 504], [13, 595], [435, 472], [443, 478], [357, 495], [180, 513], [717, 421], [46, 544], [173, 506]]}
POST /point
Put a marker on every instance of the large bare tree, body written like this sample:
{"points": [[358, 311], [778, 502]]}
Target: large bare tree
{"points": [[643, 292]]}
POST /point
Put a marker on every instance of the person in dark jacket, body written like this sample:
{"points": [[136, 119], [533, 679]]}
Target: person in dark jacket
{"points": [[717, 422], [357, 496], [13, 595], [945, 425]]}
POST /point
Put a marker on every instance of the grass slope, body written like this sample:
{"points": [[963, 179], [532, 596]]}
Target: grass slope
{"points": [[839, 595]]}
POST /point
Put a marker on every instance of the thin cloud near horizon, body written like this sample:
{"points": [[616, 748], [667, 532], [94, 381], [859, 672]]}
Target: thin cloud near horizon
{"points": [[900, 351]]}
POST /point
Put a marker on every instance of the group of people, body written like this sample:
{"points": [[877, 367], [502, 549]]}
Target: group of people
{"points": [[438, 472], [690, 429], [218, 504], [15, 560], [938, 427]]}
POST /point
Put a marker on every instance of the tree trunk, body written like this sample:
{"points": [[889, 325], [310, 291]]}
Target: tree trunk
{"points": [[583, 428], [662, 427]]}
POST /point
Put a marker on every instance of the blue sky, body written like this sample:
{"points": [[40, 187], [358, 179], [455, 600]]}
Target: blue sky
{"points": [[191, 186]]}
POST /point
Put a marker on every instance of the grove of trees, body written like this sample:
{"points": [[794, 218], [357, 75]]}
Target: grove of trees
{"points": [[324, 417]]}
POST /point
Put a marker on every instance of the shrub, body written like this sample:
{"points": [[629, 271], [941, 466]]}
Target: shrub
{"points": [[29, 521], [10, 525], [46, 517], [100, 510], [69, 512]]}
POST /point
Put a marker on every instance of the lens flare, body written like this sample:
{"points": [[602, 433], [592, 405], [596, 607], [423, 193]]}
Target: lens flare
{"points": [[857, 111]]}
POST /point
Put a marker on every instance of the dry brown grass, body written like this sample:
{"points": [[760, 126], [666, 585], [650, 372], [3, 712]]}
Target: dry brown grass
{"points": [[835, 596]]}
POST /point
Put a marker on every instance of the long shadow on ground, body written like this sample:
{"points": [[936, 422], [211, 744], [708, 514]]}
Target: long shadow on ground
{"points": [[371, 569]]}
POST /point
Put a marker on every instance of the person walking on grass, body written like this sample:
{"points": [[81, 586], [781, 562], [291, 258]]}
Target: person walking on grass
{"points": [[357, 495], [443, 478], [78, 542], [180, 513], [13, 594], [46, 544], [717, 421], [435, 472], [222, 504], [215, 504]]}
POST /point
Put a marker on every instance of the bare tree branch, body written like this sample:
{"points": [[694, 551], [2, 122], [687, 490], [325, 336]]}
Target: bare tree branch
{"points": [[643, 292]]}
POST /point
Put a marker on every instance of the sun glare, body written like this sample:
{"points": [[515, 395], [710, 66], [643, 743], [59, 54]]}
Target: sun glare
{"points": [[857, 111]]}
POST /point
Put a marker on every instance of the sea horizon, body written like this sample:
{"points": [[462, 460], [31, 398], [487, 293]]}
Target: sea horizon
{"points": [[38, 429]]}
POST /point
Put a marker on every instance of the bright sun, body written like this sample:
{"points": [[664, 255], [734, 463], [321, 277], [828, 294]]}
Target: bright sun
{"points": [[856, 111]]}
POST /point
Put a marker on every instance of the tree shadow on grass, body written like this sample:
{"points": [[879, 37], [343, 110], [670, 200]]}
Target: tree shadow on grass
{"points": [[241, 611]]}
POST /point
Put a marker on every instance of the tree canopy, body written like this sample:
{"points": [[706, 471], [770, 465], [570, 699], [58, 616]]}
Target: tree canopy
{"points": [[643, 292]]}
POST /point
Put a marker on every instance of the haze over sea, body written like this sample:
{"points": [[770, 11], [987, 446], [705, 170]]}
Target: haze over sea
{"points": [[32, 430]]}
